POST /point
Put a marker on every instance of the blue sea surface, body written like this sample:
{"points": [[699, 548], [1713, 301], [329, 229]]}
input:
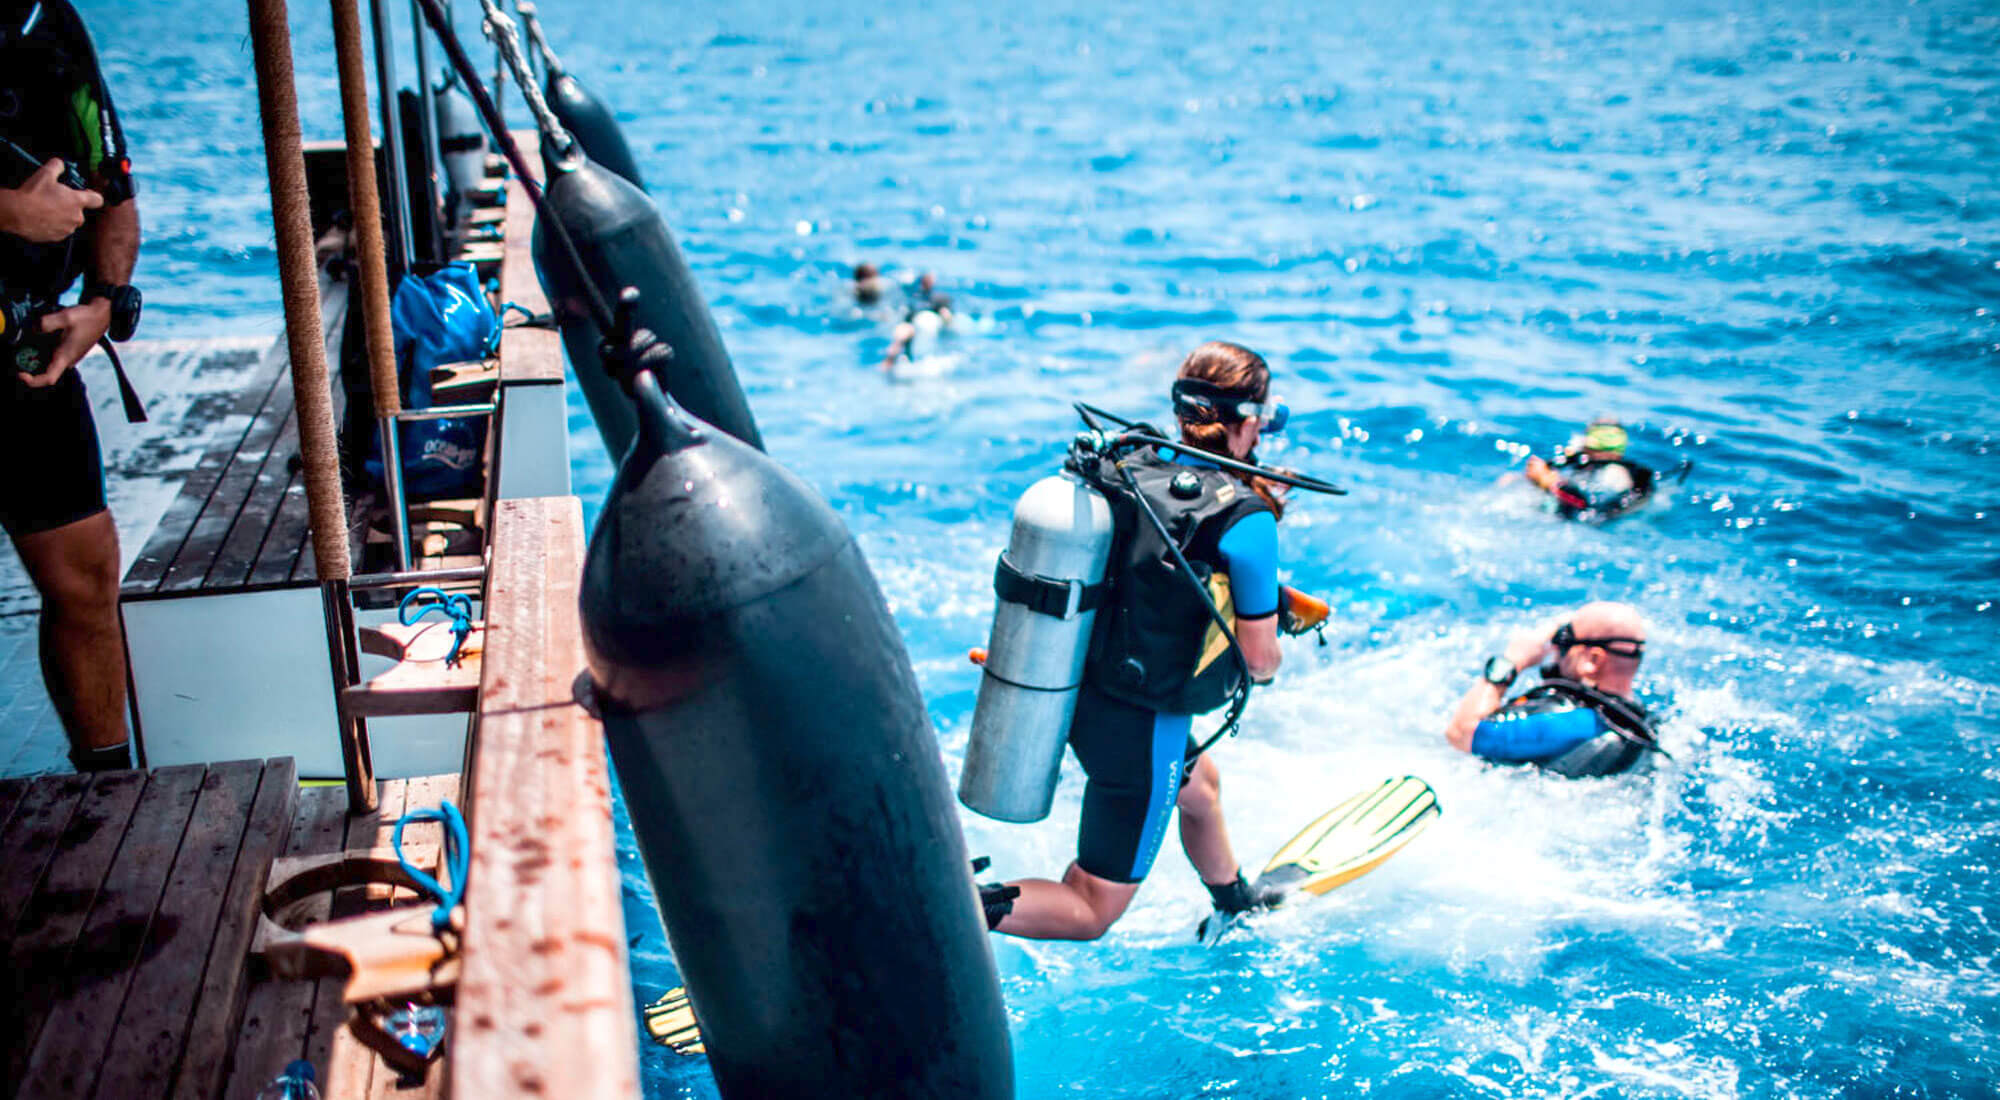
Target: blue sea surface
{"points": [[1767, 236]]}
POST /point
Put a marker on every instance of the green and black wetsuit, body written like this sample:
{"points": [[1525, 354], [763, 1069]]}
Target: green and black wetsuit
{"points": [[53, 103]]}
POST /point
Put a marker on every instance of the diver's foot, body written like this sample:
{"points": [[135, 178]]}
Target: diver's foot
{"points": [[997, 898], [1232, 901]]}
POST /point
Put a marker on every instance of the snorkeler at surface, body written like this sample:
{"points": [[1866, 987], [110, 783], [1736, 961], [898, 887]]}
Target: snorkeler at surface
{"points": [[869, 284], [1581, 719], [1591, 479], [925, 314]]}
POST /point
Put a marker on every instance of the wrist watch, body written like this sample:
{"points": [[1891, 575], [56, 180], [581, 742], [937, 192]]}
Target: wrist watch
{"points": [[1499, 672], [125, 303]]}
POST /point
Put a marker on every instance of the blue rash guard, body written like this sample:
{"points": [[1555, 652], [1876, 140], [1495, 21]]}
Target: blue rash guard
{"points": [[1136, 758], [1535, 731]]}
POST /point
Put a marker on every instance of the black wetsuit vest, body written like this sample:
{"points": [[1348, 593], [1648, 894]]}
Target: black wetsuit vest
{"points": [[1575, 500], [1155, 644], [1632, 735]]}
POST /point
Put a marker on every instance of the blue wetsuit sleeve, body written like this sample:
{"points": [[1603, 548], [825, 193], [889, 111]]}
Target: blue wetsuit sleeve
{"points": [[1513, 737], [1250, 549]]}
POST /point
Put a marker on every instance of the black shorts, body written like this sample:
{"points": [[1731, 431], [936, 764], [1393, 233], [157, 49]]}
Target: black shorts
{"points": [[51, 473], [1136, 761]]}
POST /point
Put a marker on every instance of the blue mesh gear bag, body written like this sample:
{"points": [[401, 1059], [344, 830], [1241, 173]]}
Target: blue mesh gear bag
{"points": [[440, 317]]}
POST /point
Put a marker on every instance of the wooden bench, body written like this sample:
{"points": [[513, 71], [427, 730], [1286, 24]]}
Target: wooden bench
{"points": [[128, 906], [128, 913], [224, 627]]}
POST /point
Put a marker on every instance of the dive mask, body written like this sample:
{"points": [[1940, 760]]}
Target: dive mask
{"points": [[1194, 398], [1565, 638]]}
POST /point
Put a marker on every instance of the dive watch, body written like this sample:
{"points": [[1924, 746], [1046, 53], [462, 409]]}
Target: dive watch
{"points": [[125, 303], [1499, 672]]}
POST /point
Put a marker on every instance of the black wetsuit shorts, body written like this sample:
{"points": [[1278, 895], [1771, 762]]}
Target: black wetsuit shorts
{"points": [[1136, 763], [51, 472]]}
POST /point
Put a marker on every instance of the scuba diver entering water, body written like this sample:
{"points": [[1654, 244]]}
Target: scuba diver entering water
{"points": [[1581, 720], [1591, 479], [1186, 616]]}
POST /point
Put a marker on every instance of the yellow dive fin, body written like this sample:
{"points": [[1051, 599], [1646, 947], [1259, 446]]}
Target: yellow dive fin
{"points": [[670, 1020]]}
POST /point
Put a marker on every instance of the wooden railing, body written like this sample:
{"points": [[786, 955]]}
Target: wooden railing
{"points": [[545, 998]]}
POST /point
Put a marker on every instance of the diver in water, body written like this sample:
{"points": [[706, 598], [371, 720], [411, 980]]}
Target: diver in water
{"points": [[1591, 479], [1581, 719], [1135, 755], [925, 313]]}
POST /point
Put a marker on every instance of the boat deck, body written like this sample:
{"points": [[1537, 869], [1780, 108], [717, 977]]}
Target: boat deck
{"points": [[130, 904]]}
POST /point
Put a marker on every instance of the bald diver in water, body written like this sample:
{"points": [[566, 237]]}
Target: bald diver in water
{"points": [[1581, 720]]}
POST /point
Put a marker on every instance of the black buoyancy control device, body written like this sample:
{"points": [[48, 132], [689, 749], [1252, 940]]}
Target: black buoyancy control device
{"points": [[1153, 644], [1633, 735], [1090, 586], [624, 242], [784, 781]]}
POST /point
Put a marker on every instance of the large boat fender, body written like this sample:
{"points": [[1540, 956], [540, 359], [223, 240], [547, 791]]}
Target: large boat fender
{"points": [[591, 123], [461, 139], [1050, 581], [584, 115], [624, 242], [784, 781]]}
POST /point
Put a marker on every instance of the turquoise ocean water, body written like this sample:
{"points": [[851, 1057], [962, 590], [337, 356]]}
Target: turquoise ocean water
{"points": [[1768, 236]]}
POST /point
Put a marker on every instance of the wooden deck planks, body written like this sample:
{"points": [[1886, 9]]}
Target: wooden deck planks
{"points": [[29, 840], [212, 1032], [151, 1028], [118, 934], [240, 516], [220, 512], [39, 948], [240, 549], [346, 1067], [277, 1015], [545, 998], [158, 555]]}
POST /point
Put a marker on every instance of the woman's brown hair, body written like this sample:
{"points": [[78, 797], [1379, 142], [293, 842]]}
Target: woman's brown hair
{"points": [[1240, 371]]}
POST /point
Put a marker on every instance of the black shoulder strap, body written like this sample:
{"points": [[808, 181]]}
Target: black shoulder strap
{"points": [[1628, 716]]}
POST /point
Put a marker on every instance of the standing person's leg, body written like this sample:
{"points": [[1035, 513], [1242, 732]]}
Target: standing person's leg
{"points": [[75, 567], [53, 508]]}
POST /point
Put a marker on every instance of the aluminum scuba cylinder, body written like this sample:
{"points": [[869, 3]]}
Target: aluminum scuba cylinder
{"points": [[1050, 582], [784, 781]]}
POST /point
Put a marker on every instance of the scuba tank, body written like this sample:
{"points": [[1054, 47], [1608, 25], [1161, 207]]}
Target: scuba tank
{"points": [[461, 140], [783, 780], [623, 242], [1050, 582]]}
